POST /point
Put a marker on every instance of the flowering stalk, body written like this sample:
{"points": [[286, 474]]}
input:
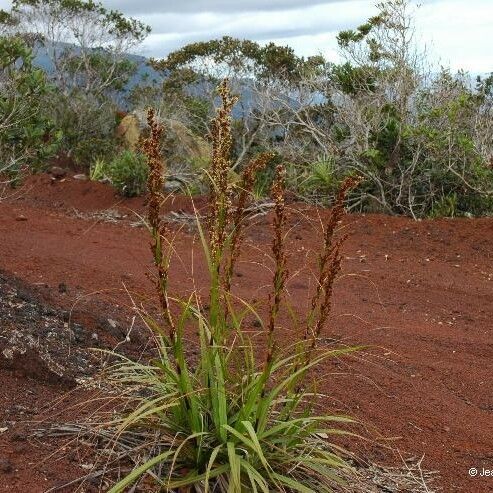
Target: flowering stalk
{"points": [[151, 147], [220, 203], [246, 186], [329, 267], [278, 251]]}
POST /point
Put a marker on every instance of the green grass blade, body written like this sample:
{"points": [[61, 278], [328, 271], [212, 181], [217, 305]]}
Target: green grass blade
{"points": [[235, 469], [137, 473], [254, 476], [212, 459], [195, 478], [293, 484]]}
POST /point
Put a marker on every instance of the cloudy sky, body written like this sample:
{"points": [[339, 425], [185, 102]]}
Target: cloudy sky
{"points": [[458, 33]]}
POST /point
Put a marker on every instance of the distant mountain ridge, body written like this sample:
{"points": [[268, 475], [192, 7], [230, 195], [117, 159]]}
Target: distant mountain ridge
{"points": [[144, 74], [143, 70]]}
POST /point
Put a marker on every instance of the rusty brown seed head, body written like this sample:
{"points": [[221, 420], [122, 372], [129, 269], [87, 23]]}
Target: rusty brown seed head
{"points": [[220, 194], [329, 265], [151, 147], [278, 250], [246, 187]]}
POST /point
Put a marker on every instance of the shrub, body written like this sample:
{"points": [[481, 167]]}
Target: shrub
{"points": [[97, 170], [234, 418], [27, 136], [90, 70], [87, 124], [128, 173], [320, 181]]}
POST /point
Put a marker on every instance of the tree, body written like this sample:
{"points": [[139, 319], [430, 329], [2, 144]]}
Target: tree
{"points": [[27, 136], [420, 140], [194, 71], [87, 46], [86, 43], [415, 132]]}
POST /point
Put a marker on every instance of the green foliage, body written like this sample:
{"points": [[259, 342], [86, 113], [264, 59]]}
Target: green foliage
{"points": [[422, 142], [84, 150], [484, 87], [27, 136], [345, 38], [322, 177], [90, 73], [367, 34], [87, 124], [221, 428], [6, 19], [446, 206], [127, 172], [458, 179], [266, 62], [351, 79], [97, 171]]}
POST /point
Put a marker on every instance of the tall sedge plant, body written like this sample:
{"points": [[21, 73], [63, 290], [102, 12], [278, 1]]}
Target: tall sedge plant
{"points": [[236, 418]]}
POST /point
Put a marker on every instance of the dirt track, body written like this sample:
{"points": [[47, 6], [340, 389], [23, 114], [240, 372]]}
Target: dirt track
{"points": [[419, 293]]}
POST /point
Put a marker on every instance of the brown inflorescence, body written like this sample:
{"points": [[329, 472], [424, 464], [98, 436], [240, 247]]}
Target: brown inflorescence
{"points": [[220, 193], [279, 254], [247, 182], [151, 147], [329, 267]]}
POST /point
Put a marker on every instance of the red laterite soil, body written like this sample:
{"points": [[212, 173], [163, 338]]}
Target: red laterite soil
{"points": [[418, 294]]}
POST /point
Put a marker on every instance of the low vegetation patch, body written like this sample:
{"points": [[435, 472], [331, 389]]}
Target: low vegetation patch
{"points": [[418, 134]]}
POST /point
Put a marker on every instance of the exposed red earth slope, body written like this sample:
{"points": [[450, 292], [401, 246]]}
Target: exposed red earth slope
{"points": [[420, 294]]}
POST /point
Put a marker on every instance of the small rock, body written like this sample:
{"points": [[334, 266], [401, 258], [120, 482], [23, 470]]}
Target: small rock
{"points": [[21, 218], [6, 466], [95, 337], [81, 177], [62, 287], [78, 332], [48, 311], [58, 172]]}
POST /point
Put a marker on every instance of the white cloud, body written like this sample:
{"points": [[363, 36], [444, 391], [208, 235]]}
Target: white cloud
{"points": [[459, 33], [306, 28]]}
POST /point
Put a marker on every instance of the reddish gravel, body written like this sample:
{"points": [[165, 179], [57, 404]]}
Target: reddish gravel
{"points": [[420, 294]]}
